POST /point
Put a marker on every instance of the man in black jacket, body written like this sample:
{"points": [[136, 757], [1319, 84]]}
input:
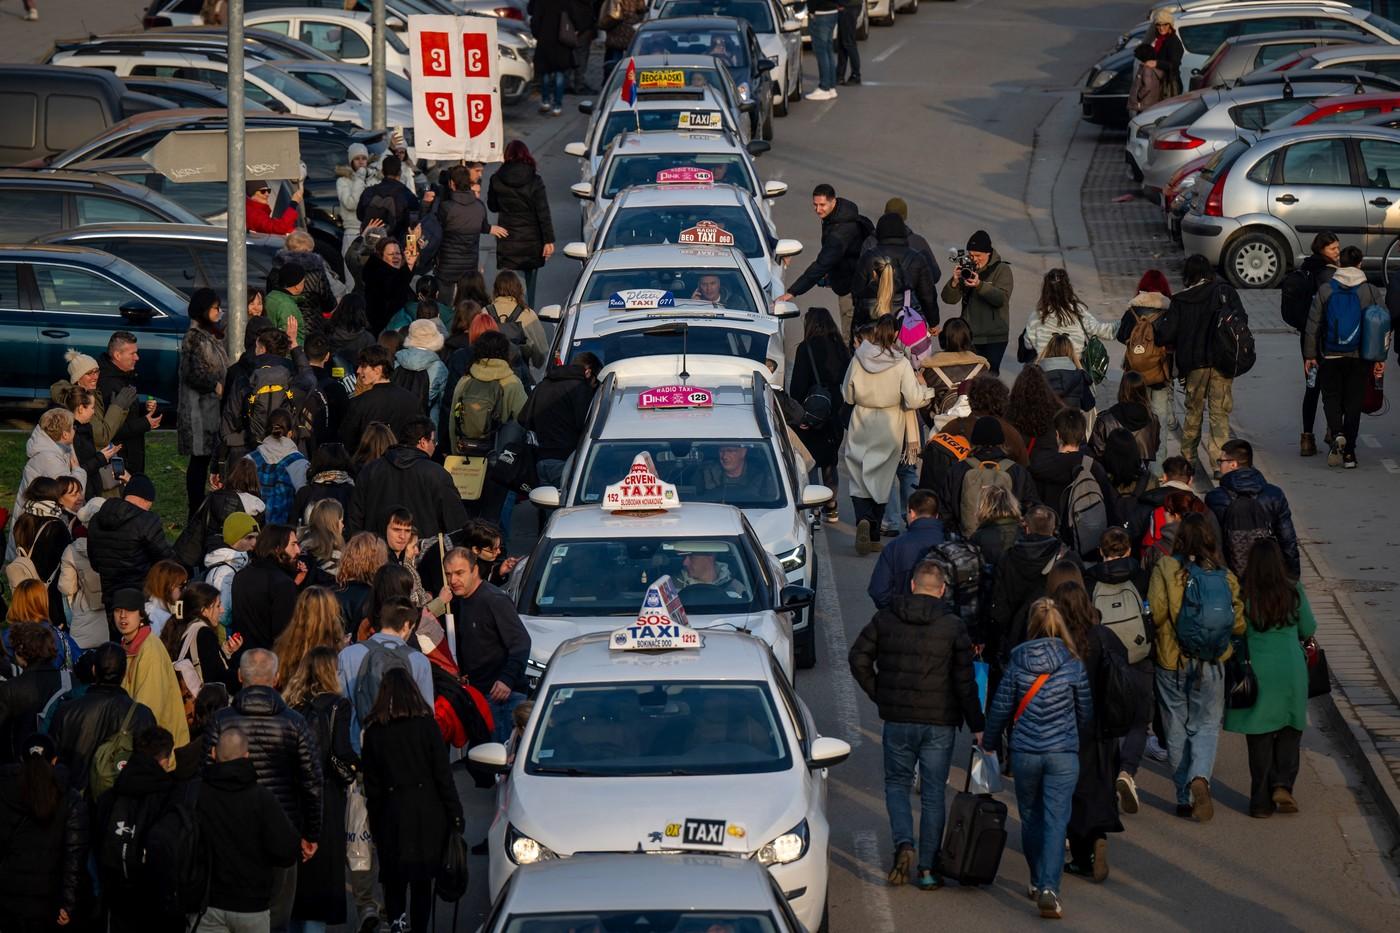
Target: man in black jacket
{"points": [[265, 591], [378, 399], [557, 411], [914, 659], [407, 478], [125, 539], [1019, 580], [1054, 470], [389, 201], [22, 698], [116, 371], [492, 643], [249, 836], [1248, 508], [284, 756], [843, 232], [891, 249], [463, 218], [83, 721]]}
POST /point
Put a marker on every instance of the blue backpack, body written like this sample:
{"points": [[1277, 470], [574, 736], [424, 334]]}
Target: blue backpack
{"points": [[1207, 615], [1341, 330], [276, 486]]}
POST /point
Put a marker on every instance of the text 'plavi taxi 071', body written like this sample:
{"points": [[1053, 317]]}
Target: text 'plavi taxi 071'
{"points": [[657, 737]]}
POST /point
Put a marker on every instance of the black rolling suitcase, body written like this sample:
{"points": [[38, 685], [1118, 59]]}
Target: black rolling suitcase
{"points": [[974, 838]]}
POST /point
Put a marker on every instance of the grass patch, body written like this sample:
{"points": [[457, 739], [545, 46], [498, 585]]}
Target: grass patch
{"points": [[164, 466]]}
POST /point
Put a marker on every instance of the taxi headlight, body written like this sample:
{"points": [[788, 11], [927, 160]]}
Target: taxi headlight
{"points": [[507, 52], [794, 559], [744, 92], [522, 850], [1102, 78], [789, 847]]}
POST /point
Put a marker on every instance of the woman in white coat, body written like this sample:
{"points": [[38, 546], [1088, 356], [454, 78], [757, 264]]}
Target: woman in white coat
{"points": [[351, 182], [880, 386], [1059, 311]]}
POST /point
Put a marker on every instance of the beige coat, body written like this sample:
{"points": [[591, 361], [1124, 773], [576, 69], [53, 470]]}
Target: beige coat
{"points": [[880, 386]]}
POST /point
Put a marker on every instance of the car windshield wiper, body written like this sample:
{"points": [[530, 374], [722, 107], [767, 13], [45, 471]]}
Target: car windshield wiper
{"points": [[571, 772]]}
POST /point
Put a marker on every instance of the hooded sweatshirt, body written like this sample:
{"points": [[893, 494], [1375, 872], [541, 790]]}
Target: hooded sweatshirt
{"points": [[1351, 277], [277, 449], [254, 834], [405, 478], [512, 391], [1019, 579], [221, 564], [426, 361]]}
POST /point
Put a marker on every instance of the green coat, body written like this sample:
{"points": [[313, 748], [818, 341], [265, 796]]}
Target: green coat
{"points": [[987, 308], [1279, 665], [278, 306]]}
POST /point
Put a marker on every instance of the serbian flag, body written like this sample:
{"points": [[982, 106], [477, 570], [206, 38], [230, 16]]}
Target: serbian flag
{"points": [[629, 83]]}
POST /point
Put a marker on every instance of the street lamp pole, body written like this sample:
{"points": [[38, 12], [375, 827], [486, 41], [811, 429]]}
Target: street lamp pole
{"points": [[236, 307], [377, 99]]}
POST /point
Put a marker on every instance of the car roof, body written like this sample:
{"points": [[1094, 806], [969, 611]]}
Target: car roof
{"points": [[675, 59], [1327, 131], [687, 98], [1370, 50], [731, 417], [698, 141], [307, 64], [650, 255], [732, 656], [668, 195], [652, 882], [1296, 35], [1239, 10], [33, 252], [149, 231], [1254, 93], [362, 16], [1350, 101], [683, 23], [692, 519]]}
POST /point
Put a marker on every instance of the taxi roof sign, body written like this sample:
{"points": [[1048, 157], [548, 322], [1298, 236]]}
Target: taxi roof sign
{"points": [[661, 77], [641, 490], [706, 233], [676, 397], [661, 624], [685, 175], [641, 299]]}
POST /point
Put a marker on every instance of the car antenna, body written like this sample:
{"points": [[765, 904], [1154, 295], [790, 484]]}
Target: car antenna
{"points": [[1287, 89], [668, 330], [1360, 89]]}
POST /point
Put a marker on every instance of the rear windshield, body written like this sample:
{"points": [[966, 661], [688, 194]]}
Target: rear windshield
{"points": [[710, 224], [725, 44], [757, 12], [629, 170], [620, 121]]}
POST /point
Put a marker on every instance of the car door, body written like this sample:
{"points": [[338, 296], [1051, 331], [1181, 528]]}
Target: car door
{"points": [[100, 209], [167, 260], [1379, 163], [1312, 190], [792, 45], [23, 377], [26, 213]]}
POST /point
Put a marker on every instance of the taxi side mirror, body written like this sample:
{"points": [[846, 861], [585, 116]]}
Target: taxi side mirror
{"points": [[786, 309], [546, 497], [794, 598], [582, 190], [815, 496], [774, 189], [757, 147], [492, 755], [549, 313], [825, 752], [576, 250], [787, 247], [576, 149], [748, 106]]}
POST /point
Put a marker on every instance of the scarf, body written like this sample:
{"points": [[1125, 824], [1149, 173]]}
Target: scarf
{"points": [[332, 476], [134, 647]]}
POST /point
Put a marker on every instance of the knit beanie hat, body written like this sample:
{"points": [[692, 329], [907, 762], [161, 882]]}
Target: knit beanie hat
{"points": [[979, 242], [79, 364]]}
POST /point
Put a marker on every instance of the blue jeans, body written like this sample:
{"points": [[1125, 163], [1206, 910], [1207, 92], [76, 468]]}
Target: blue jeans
{"points": [[501, 713], [822, 26], [552, 88], [931, 748], [1193, 704], [906, 477], [1044, 788], [307, 926]]}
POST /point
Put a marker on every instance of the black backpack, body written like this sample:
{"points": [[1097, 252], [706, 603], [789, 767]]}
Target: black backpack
{"points": [[1297, 291], [961, 563], [1118, 692], [1232, 343], [384, 206], [1244, 522], [818, 406], [153, 845], [416, 381]]}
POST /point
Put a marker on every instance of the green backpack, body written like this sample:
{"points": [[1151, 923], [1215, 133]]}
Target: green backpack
{"points": [[1095, 359], [111, 756], [475, 413]]}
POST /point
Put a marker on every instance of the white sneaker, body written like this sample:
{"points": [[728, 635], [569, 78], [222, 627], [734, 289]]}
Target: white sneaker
{"points": [[1154, 749], [31, 15], [820, 94], [1127, 792]]}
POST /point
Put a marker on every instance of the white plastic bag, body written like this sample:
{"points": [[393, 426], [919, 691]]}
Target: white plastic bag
{"points": [[358, 844], [985, 774]]}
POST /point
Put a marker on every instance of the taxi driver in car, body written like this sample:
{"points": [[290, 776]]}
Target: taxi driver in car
{"points": [[710, 289], [700, 568], [730, 480]]}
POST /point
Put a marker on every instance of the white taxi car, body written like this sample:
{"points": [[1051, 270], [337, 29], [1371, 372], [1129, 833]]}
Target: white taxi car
{"points": [[674, 157], [712, 215], [779, 36], [698, 749], [674, 71], [732, 449]]}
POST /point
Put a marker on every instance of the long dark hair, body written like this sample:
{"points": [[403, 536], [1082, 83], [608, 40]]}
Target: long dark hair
{"points": [[1196, 541], [398, 699], [1033, 404], [1080, 615], [1270, 595], [389, 581], [189, 609], [818, 323], [350, 314], [956, 336], [38, 785], [1058, 303]]}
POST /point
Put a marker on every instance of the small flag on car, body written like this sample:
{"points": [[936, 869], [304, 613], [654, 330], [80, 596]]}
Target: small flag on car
{"points": [[629, 82]]}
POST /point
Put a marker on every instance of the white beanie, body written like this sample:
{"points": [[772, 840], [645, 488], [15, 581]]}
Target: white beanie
{"points": [[424, 335], [356, 149], [79, 364]]}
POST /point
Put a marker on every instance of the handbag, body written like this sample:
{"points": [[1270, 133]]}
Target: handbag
{"points": [[568, 33], [512, 463], [345, 771], [1319, 675], [610, 14], [1025, 353], [1241, 686], [453, 874]]}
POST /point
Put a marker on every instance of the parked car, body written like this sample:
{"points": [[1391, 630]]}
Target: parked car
{"points": [[183, 93], [343, 81], [1376, 59], [48, 109], [35, 203], [1240, 55], [53, 298], [779, 36]]}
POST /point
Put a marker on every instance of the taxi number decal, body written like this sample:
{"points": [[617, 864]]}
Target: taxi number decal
{"points": [[699, 120], [703, 832], [706, 233]]}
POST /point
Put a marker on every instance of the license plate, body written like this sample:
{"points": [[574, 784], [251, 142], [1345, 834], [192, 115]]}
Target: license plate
{"points": [[703, 832]]}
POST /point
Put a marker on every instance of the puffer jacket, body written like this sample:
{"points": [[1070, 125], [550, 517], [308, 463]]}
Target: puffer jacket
{"points": [[41, 864], [21, 699], [1165, 590], [124, 541], [405, 478], [1019, 579], [45, 456], [349, 185], [82, 587], [843, 232], [1055, 716], [283, 752], [83, 722], [254, 836], [1069, 382], [1188, 327], [463, 219], [1248, 481], [426, 361], [203, 367], [914, 659], [518, 196]]}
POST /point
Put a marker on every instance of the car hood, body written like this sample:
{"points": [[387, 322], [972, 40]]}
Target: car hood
{"points": [[547, 632], [773, 527], [563, 813], [763, 271]]}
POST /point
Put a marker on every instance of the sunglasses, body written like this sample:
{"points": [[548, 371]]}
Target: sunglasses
{"points": [[263, 191]]}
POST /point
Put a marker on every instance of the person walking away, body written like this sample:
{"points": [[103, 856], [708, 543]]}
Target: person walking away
{"points": [[897, 561], [1167, 51], [998, 525], [492, 643], [1296, 294], [116, 373], [82, 723], [987, 464], [23, 698], [818, 370], [464, 221], [279, 378], [328, 477], [327, 402], [1133, 413], [1332, 348], [362, 665], [847, 50], [259, 209], [1149, 359], [126, 539], [822, 16], [518, 323], [914, 659], [321, 287], [376, 399], [1044, 698], [420, 355], [950, 371], [881, 386], [203, 366], [988, 397], [150, 674], [490, 395], [556, 29], [1278, 615], [1060, 310], [350, 183], [43, 871], [1193, 639], [1190, 328], [1055, 471], [557, 412], [1248, 508], [1066, 375], [891, 273], [403, 749], [844, 230], [985, 297], [1019, 580], [518, 196], [389, 201], [281, 468]]}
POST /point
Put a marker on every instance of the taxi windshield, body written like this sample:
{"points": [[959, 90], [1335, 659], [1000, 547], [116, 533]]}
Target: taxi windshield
{"points": [[709, 224], [642, 921], [757, 12], [723, 43], [725, 287], [740, 473], [658, 729], [609, 577], [699, 117], [716, 341], [642, 169]]}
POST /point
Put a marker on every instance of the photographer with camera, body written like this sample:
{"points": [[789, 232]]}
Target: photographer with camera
{"points": [[981, 283]]}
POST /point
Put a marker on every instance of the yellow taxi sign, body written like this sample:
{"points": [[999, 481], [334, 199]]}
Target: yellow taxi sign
{"points": [[661, 77]]}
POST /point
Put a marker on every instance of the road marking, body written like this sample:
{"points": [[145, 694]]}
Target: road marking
{"points": [[837, 647], [1390, 465], [891, 50], [1370, 440], [822, 111], [877, 895]]}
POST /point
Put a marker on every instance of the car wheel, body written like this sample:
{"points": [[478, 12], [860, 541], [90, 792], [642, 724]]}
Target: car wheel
{"points": [[767, 133], [888, 19], [1255, 259], [780, 100], [796, 94]]}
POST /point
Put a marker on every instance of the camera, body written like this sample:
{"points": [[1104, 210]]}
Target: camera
{"points": [[963, 261]]}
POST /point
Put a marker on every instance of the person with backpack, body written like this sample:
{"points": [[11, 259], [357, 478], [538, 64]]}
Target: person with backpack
{"points": [[1072, 482], [891, 275], [949, 371], [1020, 579], [278, 378], [362, 665], [989, 397], [426, 306], [281, 468], [1118, 587], [25, 699], [517, 320], [80, 587], [1133, 413], [407, 477], [1296, 294], [418, 368], [1279, 616], [1044, 698], [1196, 605], [898, 559], [41, 534], [1332, 352], [914, 659], [818, 368], [283, 752], [493, 645], [221, 565], [1149, 359], [1060, 310], [192, 639], [150, 674], [376, 398], [1066, 374], [102, 717], [1193, 326], [43, 865], [987, 464], [330, 397], [1248, 508], [489, 396], [984, 292], [248, 837], [844, 229], [126, 538], [389, 201]]}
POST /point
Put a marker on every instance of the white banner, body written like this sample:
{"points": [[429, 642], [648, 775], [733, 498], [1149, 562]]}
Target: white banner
{"points": [[456, 79]]}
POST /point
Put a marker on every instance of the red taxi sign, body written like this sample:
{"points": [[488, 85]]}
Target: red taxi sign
{"points": [[676, 397], [641, 490], [685, 175], [661, 624], [706, 233]]}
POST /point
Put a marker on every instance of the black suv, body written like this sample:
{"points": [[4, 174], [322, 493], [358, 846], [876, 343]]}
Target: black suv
{"points": [[36, 203]]}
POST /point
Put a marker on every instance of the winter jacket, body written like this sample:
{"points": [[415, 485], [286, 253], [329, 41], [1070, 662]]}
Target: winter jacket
{"points": [[111, 385], [83, 722], [1188, 327], [382, 402], [109, 414], [410, 795], [1019, 580], [950, 495], [42, 865], [1040, 329], [405, 201], [1053, 473], [1151, 306], [1282, 672], [386, 289], [80, 585], [281, 306], [843, 232], [203, 367], [92, 463], [260, 219], [222, 565], [347, 344], [283, 752], [518, 196], [821, 362], [1314, 345], [426, 361], [22, 698], [536, 347], [1168, 59], [463, 218], [558, 410], [45, 456], [1132, 417], [1165, 589], [987, 308], [911, 273], [318, 295], [349, 185], [249, 834], [406, 478], [46, 550], [1248, 481], [409, 313], [958, 367], [150, 680], [895, 567], [880, 386], [1299, 288], [621, 30], [1072, 384], [914, 659], [264, 594], [1060, 709], [124, 542], [551, 55], [1013, 443], [330, 484], [295, 374], [512, 394]]}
